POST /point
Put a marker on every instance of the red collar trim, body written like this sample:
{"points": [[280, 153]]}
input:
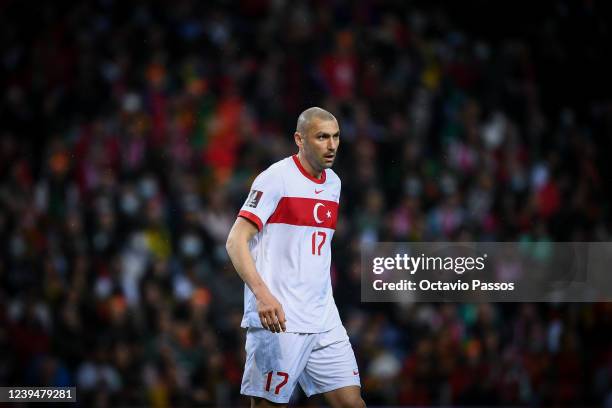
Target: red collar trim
{"points": [[306, 174]]}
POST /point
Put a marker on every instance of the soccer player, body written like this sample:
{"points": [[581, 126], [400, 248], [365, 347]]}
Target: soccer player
{"points": [[280, 247]]}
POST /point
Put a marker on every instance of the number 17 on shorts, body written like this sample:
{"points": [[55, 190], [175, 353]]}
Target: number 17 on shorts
{"points": [[284, 377]]}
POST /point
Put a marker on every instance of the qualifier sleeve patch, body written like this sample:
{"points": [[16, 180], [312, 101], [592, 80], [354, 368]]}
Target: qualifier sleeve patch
{"points": [[253, 198]]}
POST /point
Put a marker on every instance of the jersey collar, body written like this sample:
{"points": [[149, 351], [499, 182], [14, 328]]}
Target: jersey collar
{"points": [[306, 174]]}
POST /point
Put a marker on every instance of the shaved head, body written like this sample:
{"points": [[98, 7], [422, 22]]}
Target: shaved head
{"points": [[306, 118], [317, 136]]}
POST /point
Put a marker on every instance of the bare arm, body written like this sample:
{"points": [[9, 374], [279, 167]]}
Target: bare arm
{"points": [[270, 310]]}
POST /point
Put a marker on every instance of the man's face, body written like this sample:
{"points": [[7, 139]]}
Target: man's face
{"points": [[320, 144]]}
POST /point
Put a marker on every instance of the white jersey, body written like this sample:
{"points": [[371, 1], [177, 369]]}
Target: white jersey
{"points": [[296, 215]]}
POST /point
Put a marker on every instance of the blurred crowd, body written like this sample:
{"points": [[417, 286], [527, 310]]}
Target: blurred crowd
{"points": [[130, 133]]}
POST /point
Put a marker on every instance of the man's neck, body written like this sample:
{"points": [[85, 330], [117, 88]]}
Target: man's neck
{"points": [[306, 165]]}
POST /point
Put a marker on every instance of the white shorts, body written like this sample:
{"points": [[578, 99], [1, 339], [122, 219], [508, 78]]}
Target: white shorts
{"points": [[276, 362]]}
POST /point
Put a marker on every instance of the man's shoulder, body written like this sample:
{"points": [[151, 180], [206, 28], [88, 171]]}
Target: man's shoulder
{"points": [[332, 176], [275, 171]]}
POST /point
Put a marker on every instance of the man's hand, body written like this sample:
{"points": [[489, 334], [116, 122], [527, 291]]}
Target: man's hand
{"points": [[271, 313]]}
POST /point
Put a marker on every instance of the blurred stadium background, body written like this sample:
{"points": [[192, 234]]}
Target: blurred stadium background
{"points": [[131, 131]]}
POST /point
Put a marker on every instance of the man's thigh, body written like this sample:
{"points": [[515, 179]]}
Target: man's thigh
{"points": [[349, 396], [331, 365], [274, 362], [257, 402]]}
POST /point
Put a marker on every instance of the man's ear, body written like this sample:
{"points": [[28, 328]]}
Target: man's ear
{"points": [[299, 141]]}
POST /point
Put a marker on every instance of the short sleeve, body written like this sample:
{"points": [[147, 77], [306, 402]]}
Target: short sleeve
{"points": [[263, 198]]}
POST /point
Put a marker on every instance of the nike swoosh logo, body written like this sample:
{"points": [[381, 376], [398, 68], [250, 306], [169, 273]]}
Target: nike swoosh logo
{"points": [[355, 372], [317, 192]]}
